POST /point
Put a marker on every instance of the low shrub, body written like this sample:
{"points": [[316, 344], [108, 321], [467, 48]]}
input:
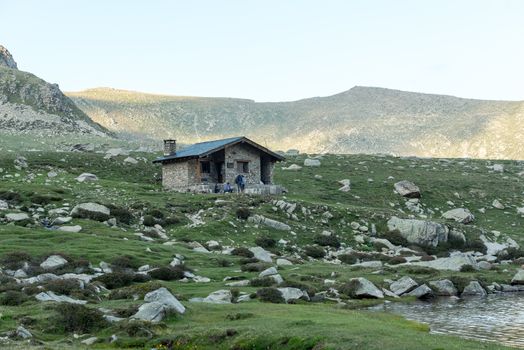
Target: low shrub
{"points": [[311, 291], [121, 214], [135, 290], [395, 260], [270, 295], [91, 215], [43, 200], [395, 237], [511, 253], [254, 267], [116, 279], [427, 258], [149, 220], [239, 316], [327, 241], [243, 213], [314, 251], [265, 242], [467, 268], [167, 273], [137, 329], [349, 259], [13, 298], [125, 262], [156, 213], [262, 282], [242, 251], [15, 260], [223, 262], [173, 220], [66, 286], [78, 318], [11, 197]]}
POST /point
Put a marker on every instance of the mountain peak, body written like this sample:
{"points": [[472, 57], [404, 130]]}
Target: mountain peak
{"points": [[6, 59]]}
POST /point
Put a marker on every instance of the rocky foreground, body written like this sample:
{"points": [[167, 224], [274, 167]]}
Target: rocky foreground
{"points": [[94, 253]]}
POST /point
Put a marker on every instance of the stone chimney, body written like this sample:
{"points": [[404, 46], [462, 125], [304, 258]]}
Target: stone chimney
{"points": [[169, 147]]}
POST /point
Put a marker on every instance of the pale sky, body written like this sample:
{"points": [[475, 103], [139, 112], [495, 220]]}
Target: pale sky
{"points": [[271, 50]]}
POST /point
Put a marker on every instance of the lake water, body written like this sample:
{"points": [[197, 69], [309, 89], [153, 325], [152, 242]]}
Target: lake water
{"points": [[498, 317]]}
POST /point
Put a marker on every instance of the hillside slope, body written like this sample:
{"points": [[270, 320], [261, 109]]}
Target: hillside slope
{"points": [[29, 104], [360, 120]]}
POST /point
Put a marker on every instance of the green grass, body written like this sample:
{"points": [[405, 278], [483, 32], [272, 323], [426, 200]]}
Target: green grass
{"points": [[204, 326]]}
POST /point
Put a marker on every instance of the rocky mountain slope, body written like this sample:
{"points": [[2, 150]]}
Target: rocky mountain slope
{"points": [[360, 120], [29, 104]]}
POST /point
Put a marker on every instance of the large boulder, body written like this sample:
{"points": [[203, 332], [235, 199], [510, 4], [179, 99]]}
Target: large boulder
{"points": [[261, 254], [518, 278], [163, 296], [53, 262], [444, 288], [421, 292], [151, 312], [462, 215], [474, 288], [452, 263], [311, 162], [87, 177], [407, 189], [424, 233], [268, 272], [362, 288], [404, 285], [277, 225], [92, 211], [50, 296], [15, 217], [292, 293]]}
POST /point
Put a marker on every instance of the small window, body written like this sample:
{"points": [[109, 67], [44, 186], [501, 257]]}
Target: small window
{"points": [[205, 167], [230, 165], [243, 167]]}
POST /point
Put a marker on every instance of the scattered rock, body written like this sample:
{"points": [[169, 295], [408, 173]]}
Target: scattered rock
{"points": [[311, 162], [87, 177], [130, 160], [473, 288], [462, 215], [50, 296], [452, 263], [277, 225], [53, 262], [407, 189], [74, 229], [268, 272], [283, 262], [91, 210], [261, 254], [17, 217], [222, 296], [163, 296], [293, 167], [292, 293], [404, 285], [444, 287], [424, 233], [89, 341], [23, 333], [362, 288], [498, 205], [421, 292], [518, 278]]}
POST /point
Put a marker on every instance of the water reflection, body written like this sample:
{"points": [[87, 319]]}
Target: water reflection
{"points": [[497, 318]]}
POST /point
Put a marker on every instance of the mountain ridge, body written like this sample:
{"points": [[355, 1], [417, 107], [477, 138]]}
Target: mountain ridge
{"points": [[358, 120]]}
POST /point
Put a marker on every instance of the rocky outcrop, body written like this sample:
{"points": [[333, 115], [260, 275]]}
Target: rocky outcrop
{"points": [[452, 263], [444, 288], [362, 288], [6, 59], [424, 233]]}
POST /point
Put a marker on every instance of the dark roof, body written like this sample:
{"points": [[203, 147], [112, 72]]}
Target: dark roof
{"points": [[203, 149]]}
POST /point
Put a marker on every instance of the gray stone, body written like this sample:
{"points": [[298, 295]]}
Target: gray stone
{"points": [[89, 341], [151, 312], [16, 217], [222, 296], [518, 278], [73, 229], [277, 225], [292, 293], [283, 262], [311, 162], [403, 285], [130, 160], [474, 288], [53, 262], [484, 265], [362, 288], [277, 278], [421, 292], [50, 296], [452, 263], [424, 233], [163, 296], [444, 287], [497, 204], [407, 189], [268, 272], [461, 215], [23, 333], [3, 205], [87, 177], [91, 208], [62, 220], [261, 254], [293, 167]]}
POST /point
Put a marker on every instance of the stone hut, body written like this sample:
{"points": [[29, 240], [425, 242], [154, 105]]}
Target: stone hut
{"points": [[202, 166]]}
